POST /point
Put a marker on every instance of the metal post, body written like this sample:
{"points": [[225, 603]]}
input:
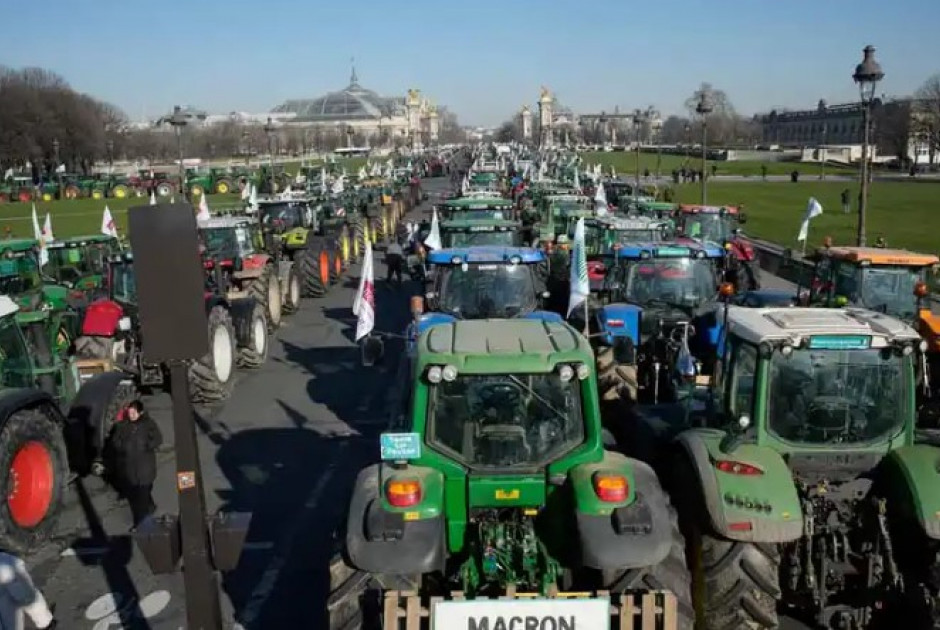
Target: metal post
{"points": [[863, 201], [203, 609], [182, 171], [822, 149], [58, 175], [704, 161]]}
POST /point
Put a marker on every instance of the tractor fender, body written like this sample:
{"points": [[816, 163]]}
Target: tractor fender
{"points": [[908, 478], [14, 399], [620, 320], [86, 426], [741, 250], [736, 505], [381, 539], [101, 319], [928, 325], [634, 534]]}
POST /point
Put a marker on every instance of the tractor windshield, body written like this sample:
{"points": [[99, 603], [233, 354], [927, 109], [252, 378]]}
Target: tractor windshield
{"points": [[468, 238], [506, 421], [19, 274], [15, 365], [483, 291], [627, 237], [708, 226], [123, 283], [282, 216], [681, 282], [482, 214], [886, 289], [228, 242], [838, 396], [70, 264]]}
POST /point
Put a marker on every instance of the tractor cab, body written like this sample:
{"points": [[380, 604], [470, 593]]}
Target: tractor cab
{"points": [[477, 209], [559, 214], [604, 236], [653, 209], [285, 224], [475, 233], [621, 192], [81, 262], [882, 280], [721, 225]]}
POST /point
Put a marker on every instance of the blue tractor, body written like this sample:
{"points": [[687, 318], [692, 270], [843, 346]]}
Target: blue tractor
{"points": [[660, 313], [485, 282]]}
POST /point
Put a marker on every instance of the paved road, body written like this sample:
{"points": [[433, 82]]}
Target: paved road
{"points": [[286, 447]]}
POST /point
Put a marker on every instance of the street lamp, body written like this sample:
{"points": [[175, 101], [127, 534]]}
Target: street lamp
{"points": [[688, 141], [110, 157], [704, 108], [657, 126], [58, 174], [867, 75], [639, 119], [269, 129], [179, 119]]}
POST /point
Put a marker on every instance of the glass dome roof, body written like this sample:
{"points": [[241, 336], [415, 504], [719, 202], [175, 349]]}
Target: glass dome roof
{"points": [[352, 103]]}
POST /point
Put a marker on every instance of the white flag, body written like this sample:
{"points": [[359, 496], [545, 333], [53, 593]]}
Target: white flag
{"points": [[37, 234], [246, 191], [153, 199], [107, 223], [203, 214], [464, 186], [600, 201], [252, 199], [813, 210], [364, 305], [580, 285], [434, 236], [577, 180], [47, 229]]}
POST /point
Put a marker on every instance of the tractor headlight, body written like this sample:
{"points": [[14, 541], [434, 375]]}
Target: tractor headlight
{"points": [[700, 254], [922, 346], [786, 349], [515, 260], [565, 373], [124, 324], [907, 349], [434, 374], [456, 260], [583, 371], [449, 373]]}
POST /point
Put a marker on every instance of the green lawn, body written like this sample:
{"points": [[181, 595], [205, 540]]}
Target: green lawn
{"points": [[905, 213], [625, 164]]}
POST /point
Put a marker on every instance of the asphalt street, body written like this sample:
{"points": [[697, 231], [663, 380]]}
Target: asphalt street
{"points": [[286, 447]]}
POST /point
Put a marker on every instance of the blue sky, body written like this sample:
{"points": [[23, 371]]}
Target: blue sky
{"points": [[482, 58]]}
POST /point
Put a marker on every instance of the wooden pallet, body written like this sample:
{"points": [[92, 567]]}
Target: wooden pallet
{"points": [[646, 610]]}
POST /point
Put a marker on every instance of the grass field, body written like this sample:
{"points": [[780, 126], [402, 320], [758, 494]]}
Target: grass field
{"points": [[625, 164]]}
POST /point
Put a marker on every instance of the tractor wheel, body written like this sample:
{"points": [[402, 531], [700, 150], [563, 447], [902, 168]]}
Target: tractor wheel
{"points": [[293, 291], [212, 377], [165, 189], [376, 230], [345, 246], [97, 194], [357, 240], [253, 355], [336, 261], [314, 266], [267, 291], [196, 190], [671, 574], [34, 462], [47, 196], [223, 187], [734, 584], [120, 191], [91, 347], [25, 195]]}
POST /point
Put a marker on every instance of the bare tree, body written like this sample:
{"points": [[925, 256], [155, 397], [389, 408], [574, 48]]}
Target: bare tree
{"points": [[892, 124], [927, 115]]}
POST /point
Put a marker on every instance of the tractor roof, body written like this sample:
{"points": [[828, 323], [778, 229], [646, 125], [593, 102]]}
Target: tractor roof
{"points": [[471, 203], [671, 249], [503, 346], [698, 209], [880, 256], [226, 222], [788, 323], [621, 223], [481, 225], [486, 254], [18, 244], [80, 241]]}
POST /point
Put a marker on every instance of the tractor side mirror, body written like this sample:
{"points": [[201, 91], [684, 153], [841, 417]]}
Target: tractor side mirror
{"points": [[372, 349]]}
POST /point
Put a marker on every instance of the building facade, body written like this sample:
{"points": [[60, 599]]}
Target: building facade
{"points": [[824, 125]]}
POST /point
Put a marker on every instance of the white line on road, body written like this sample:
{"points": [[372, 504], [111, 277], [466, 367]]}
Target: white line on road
{"points": [[262, 591]]}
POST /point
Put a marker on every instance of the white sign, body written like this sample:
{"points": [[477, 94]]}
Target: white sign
{"points": [[522, 614]]}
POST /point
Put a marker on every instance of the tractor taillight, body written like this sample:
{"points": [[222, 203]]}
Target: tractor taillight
{"points": [[611, 488], [737, 468], [402, 493]]}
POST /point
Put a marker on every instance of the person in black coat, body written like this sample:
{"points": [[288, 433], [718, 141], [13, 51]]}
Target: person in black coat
{"points": [[134, 442]]}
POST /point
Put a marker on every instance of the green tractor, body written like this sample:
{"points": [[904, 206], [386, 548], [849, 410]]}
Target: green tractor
{"points": [[49, 424], [799, 478], [32, 290], [496, 498], [215, 181], [292, 235], [81, 262], [474, 233], [558, 212]]}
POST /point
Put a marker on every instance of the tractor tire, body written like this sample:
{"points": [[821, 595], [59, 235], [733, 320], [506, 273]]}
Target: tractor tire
{"points": [[293, 292], [223, 187], [344, 242], [196, 190], [376, 230], [97, 194], [671, 574], [253, 355], [165, 189], [212, 377], [266, 290], [314, 267], [120, 192], [24, 195], [91, 347], [357, 240], [72, 192], [615, 381], [336, 261], [47, 196], [734, 584], [34, 465]]}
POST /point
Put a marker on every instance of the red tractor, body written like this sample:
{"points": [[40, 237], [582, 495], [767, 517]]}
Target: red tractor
{"points": [[721, 225]]}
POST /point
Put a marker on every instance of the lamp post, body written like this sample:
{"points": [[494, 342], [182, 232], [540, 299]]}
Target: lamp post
{"points": [[639, 119], [179, 119], [867, 75], [704, 108], [58, 175], [657, 131], [688, 141], [269, 130]]}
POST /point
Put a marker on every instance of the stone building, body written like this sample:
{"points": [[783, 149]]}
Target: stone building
{"points": [[825, 125]]}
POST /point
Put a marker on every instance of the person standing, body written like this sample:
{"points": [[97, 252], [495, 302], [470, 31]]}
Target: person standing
{"points": [[394, 260], [134, 443], [19, 597], [845, 201]]}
